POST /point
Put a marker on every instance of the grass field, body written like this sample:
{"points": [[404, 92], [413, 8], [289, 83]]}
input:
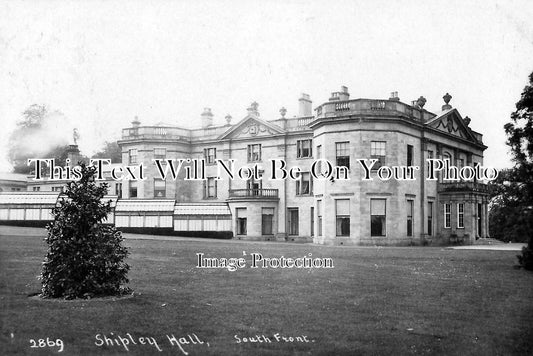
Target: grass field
{"points": [[381, 301]]}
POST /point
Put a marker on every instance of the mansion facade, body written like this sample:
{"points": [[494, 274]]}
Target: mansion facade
{"points": [[338, 210]]}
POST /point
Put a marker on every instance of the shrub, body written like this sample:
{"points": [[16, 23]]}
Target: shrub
{"points": [[526, 258], [85, 257]]}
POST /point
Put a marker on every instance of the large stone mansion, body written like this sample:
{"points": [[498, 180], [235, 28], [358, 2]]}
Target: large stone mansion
{"points": [[325, 211]]}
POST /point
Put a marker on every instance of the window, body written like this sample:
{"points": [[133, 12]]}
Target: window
{"points": [[159, 188], [254, 187], [409, 155], [342, 152], [293, 221], [378, 150], [118, 189], [303, 185], [267, 215], [460, 215], [319, 216], [254, 153], [36, 189], [319, 163], [241, 221], [133, 156], [342, 211], [479, 221], [210, 154], [461, 163], [160, 153], [133, 189], [430, 154], [447, 215], [54, 189], [430, 218], [410, 211], [378, 217], [210, 188], [304, 149], [312, 214]]}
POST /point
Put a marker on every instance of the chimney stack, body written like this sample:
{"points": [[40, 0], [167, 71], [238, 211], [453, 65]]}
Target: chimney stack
{"points": [[340, 95], [135, 123], [394, 96], [207, 118], [306, 105]]}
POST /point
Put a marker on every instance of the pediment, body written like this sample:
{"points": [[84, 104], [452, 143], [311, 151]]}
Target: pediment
{"points": [[251, 126], [452, 123]]}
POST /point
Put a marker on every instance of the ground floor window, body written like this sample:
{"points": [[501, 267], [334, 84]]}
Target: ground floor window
{"points": [[447, 215], [159, 188], [460, 215], [410, 211], [319, 216], [430, 218], [267, 217], [241, 221], [118, 189], [342, 211], [293, 221], [312, 221], [210, 188], [479, 221], [378, 217], [133, 189]]}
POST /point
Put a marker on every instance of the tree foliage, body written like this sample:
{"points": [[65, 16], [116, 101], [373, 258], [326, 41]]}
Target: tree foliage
{"points": [[85, 257], [110, 150], [513, 202], [32, 139]]}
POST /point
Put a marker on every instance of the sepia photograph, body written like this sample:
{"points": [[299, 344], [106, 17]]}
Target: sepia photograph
{"points": [[271, 177]]}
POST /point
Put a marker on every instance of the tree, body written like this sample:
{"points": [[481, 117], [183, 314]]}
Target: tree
{"points": [[517, 190], [37, 136], [110, 150], [85, 257]]}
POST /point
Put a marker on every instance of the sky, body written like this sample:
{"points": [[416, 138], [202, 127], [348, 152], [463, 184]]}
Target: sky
{"points": [[99, 64]]}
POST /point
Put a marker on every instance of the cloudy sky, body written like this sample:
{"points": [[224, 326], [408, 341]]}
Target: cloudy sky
{"points": [[102, 63]]}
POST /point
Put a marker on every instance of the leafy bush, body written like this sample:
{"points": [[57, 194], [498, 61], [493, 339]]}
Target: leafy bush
{"points": [[526, 258], [85, 258]]}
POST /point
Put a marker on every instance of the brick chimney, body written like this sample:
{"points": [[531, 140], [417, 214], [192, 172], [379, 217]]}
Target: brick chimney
{"points": [[306, 105], [207, 118]]}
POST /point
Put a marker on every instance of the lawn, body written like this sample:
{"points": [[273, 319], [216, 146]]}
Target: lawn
{"points": [[380, 301]]}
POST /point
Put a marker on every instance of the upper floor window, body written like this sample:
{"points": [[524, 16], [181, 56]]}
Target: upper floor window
{"points": [[210, 155], [304, 149], [254, 153], [378, 150], [410, 154], [133, 156], [160, 153], [303, 185], [342, 152]]}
